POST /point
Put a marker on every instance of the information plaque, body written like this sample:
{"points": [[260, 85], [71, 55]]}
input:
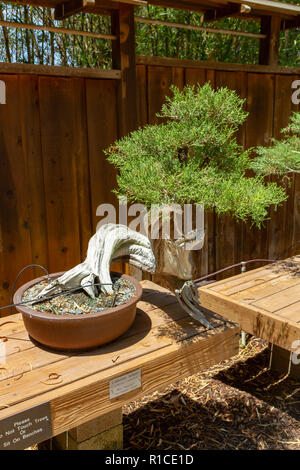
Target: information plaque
{"points": [[27, 428], [125, 383]]}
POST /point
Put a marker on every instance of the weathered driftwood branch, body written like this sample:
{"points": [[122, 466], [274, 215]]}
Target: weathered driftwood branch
{"points": [[110, 243]]}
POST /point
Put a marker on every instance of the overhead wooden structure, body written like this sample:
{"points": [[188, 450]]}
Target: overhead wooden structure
{"points": [[273, 16]]}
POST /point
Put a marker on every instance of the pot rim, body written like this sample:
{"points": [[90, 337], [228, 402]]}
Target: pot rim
{"points": [[67, 317]]}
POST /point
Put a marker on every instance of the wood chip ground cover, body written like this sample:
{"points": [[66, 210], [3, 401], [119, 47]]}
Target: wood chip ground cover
{"points": [[238, 404]]}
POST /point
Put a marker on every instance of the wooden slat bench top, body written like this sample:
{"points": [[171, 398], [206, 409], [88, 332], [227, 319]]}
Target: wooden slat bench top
{"points": [[164, 342], [265, 301]]}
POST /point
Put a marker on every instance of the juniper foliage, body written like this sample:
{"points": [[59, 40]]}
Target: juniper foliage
{"points": [[193, 157], [284, 155]]}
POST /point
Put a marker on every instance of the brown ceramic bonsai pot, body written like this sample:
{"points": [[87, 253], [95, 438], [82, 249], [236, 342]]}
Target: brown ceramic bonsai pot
{"points": [[75, 332]]}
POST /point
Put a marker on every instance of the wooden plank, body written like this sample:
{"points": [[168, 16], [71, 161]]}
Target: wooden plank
{"points": [[229, 233], [178, 77], [264, 290], [23, 356], [281, 361], [256, 276], [269, 46], [141, 90], [260, 281], [77, 366], [296, 206], [280, 240], [292, 312], [195, 76], [58, 71], [90, 396], [273, 270], [102, 131], [82, 163], [205, 258], [159, 82], [170, 24], [123, 58], [203, 64], [252, 319], [32, 149], [71, 7], [15, 242], [58, 106], [282, 298], [259, 129]]}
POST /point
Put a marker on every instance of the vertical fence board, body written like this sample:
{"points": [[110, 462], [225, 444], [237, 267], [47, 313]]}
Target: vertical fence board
{"points": [[281, 223], [102, 132], [159, 82], [59, 146], [15, 243], [141, 91], [101, 102], [229, 233], [178, 77], [195, 77], [259, 130], [31, 140], [81, 161]]}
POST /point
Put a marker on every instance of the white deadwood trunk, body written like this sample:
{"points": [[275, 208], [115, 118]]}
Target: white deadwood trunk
{"points": [[110, 243]]}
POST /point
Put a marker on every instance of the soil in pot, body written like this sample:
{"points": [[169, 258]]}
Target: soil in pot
{"points": [[79, 303]]}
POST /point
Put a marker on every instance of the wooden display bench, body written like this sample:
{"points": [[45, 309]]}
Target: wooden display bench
{"points": [[83, 393], [266, 303]]}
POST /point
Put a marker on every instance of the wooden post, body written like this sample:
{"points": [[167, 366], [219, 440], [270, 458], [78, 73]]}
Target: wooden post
{"points": [[282, 361], [103, 433], [123, 58], [269, 47]]}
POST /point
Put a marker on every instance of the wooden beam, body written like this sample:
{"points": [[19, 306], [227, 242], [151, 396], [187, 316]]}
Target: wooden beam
{"points": [[229, 32], [209, 65], [269, 47], [230, 11], [66, 9], [253, 320], [259, 7], [123, 58], [290, 24], [132, 2], [54, 29], [58, 71]]}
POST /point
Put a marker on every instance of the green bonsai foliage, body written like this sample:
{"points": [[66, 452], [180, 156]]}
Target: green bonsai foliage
{"points": [[284, 155], [193, 157]]}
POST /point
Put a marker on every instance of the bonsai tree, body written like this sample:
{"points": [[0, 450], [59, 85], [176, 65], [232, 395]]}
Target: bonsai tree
{"points": [[193, 157]]}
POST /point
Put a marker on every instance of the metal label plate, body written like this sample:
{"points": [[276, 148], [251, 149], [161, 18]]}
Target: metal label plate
{"points": [[27, 428], [125, 383]]}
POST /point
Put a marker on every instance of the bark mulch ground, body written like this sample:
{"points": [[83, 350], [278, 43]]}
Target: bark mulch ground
{"points": [[238, 404]]}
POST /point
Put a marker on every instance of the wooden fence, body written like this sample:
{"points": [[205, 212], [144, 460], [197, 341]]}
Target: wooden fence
{"points": [[54, 175]]}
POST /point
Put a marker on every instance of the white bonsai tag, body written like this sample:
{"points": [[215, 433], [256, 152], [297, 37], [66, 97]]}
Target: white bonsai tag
{"points": [[125, 383]]}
